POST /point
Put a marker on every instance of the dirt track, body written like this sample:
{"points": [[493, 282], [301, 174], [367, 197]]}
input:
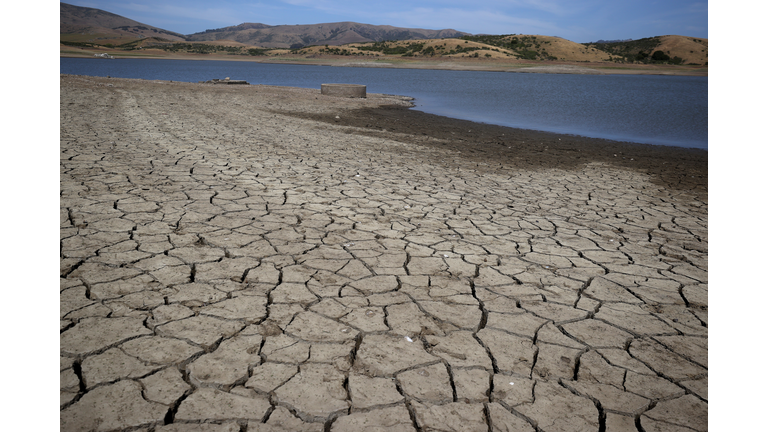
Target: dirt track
{"points": [[264, 258]]}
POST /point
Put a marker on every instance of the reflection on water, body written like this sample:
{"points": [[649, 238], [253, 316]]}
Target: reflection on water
{"points": [[668, 110]]}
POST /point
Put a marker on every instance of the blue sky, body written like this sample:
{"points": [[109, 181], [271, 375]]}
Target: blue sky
{"points": [[578, 21]]}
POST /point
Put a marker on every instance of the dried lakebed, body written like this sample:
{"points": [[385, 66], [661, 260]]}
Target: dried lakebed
{"points": [[253, 258]]}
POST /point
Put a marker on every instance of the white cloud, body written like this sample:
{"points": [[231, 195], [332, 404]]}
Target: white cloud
{"points": [[139, 7], [163, 14], [169, 10], [489, 16], [471, 21]]}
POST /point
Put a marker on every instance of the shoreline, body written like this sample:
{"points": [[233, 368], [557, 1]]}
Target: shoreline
{"points": [[381, 115], [670, 166], [564, 69], [573, 135], [436, 64]]}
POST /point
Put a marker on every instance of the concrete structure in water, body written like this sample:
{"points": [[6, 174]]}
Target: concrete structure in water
{"points": [[343, 90], [224, 81]]}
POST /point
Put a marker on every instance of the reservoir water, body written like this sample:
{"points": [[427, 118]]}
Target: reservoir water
{"points": [[651, 109]]}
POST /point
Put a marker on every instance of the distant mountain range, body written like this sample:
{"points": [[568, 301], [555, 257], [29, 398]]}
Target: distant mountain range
{"points": [[297, 36], [102, 26], [82, 22], [88, 27], [601, 41]]}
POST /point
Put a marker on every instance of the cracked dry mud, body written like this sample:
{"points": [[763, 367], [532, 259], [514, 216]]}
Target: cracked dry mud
{"points": [[270, 259]]}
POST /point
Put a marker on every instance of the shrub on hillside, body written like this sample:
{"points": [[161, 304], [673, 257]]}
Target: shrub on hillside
{"points": [[659, 56]]}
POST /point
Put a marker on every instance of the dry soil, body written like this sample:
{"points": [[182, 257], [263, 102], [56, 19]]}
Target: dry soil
{"points": [[252, 258]]}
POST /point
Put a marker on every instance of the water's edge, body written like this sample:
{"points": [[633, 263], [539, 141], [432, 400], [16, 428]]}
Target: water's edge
{"points": [[632, 108]]}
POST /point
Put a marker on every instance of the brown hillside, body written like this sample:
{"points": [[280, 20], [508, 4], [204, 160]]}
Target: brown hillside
{"points": [[284, 36], [443, 47], [564, 49], [429, 48], [457, 48], [692, 50], [344, 38], [82, 24], [226, 42], [155, 42]]}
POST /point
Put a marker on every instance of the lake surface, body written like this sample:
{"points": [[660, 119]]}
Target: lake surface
{"points": [[665, 110]]}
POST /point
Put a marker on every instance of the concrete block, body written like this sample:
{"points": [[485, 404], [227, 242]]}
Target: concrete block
{"points": [[343, 90]]}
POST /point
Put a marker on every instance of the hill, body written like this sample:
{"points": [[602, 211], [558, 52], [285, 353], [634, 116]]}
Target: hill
{"points": [[82, 24], [672, 48], [537, 47], [297, 36], [89, 31]]}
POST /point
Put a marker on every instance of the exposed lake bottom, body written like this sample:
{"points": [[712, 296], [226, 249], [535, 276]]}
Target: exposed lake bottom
{"points": [[269, 255], [491, 145]]}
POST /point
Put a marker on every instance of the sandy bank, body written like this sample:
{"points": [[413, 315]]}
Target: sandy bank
{"points": [[494, 65]]}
